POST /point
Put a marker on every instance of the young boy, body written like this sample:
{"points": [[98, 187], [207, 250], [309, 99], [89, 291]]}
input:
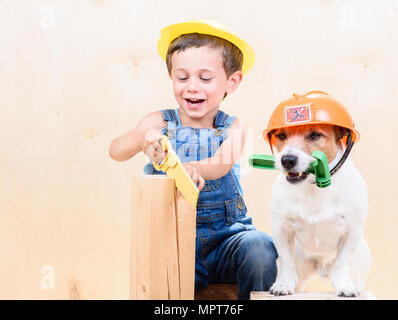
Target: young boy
{"points": [[206, 62]]}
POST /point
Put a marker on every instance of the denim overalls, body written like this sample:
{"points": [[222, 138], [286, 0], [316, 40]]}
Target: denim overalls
{"points": [[229, 249]]}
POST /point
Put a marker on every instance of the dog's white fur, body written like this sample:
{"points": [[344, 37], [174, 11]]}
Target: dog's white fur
{"points": [[320, 230]]}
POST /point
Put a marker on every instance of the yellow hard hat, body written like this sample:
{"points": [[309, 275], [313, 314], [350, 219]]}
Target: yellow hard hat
{"points": [[169, 33]]}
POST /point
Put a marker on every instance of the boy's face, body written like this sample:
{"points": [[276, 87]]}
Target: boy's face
{"points": [[200, 81]]}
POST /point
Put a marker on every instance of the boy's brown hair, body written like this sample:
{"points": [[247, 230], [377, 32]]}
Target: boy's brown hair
{"points": [[232, 56]]}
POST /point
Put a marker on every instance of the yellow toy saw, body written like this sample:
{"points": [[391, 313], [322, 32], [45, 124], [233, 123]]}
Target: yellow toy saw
{"points": [[173, 168]]}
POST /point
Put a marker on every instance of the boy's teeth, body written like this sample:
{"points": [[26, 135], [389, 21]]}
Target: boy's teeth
{"points": [[195, 100]]}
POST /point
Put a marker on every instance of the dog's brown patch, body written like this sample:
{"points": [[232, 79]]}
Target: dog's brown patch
{"points": [[323, 137]]}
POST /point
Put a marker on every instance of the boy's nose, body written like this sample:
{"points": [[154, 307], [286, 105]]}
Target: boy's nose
{"points": [[192, 85]]}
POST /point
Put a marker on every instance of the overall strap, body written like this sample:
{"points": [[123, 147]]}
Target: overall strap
{"points": [[171, 120], [220, 119], [169, 115], [223, 121]]}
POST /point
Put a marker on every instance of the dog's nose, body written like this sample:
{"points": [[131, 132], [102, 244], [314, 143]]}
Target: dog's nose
{"points": [[288, 161]]}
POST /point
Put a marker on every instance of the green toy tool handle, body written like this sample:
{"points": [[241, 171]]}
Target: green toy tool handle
{"points": [[320, 167], [262, 161]]}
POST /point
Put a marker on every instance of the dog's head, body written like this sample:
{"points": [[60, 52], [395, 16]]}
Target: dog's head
{"points": [[294, 146], [305, 123]]}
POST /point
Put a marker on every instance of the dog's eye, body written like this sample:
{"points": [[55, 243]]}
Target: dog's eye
{"points": [[281, 136], [314, 136]]}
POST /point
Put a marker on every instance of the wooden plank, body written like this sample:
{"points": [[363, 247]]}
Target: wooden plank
{"points": [[154, 272], [265, 295], [186, 233]]}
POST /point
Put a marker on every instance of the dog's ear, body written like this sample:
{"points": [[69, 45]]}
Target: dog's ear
{"points": [[340, 132]]}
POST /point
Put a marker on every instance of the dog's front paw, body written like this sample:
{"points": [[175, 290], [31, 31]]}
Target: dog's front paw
{"points": [[349, 290], [342, 283], [282, 289]]}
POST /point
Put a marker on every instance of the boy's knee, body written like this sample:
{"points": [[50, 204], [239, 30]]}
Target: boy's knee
{"points": [[258, 260], [258, 254], [259, 244]]}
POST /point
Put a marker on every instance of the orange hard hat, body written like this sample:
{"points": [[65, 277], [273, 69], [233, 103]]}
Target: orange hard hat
{"points": [[314, 107]]}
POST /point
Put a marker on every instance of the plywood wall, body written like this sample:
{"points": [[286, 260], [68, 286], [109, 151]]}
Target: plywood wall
{"points": [[75, 74]]}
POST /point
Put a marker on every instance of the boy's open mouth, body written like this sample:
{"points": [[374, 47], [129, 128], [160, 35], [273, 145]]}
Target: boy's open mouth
{"points": [[195, 101]]}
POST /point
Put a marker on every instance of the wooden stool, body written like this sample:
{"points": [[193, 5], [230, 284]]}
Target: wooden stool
{"points": [[219, 291], [265, 295]]}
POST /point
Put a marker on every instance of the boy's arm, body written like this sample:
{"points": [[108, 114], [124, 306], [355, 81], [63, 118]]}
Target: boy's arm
{"points": [[229, 152], [129, 144]]}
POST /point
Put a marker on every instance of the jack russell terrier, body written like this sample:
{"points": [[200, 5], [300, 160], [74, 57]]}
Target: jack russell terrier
{"points": [[317, 230]]}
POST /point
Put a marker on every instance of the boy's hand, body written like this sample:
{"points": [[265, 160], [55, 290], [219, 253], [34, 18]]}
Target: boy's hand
{"points": [[195, 175], [152, 147]]}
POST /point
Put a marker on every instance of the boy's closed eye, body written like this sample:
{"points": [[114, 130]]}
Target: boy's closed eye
{"points": [[205, 79], [206, 75], [181, 75]]}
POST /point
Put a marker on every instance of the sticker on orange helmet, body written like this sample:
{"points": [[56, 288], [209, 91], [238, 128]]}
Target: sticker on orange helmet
{"points": [[298, 114]]}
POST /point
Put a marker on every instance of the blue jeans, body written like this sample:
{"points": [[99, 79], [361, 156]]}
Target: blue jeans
{"points": [[229, 249], [247, 258]]}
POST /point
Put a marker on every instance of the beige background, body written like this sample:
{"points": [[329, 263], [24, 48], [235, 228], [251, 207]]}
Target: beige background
{"points": [[75, 74]]}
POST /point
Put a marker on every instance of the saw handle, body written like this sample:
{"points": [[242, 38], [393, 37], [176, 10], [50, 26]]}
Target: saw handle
{"points": [[170, 161], [173, 168]]}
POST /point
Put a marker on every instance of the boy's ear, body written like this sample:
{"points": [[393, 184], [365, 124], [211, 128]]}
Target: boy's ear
{"points": [[233, 81]]}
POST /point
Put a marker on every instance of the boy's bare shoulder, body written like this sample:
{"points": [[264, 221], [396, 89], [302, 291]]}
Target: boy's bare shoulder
{"points": [[152, 120]]}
